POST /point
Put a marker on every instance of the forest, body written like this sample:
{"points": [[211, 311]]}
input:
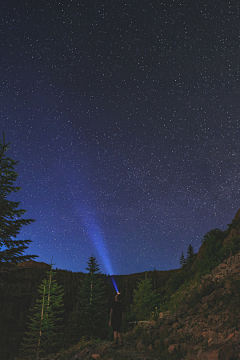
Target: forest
{"points": [[19, 292]]}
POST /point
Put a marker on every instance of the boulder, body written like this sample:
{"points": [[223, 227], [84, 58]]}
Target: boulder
{"points": [[226, 353], [173, 348], [172, 339], [176, 325], [208, 298], [208, 355], [170, 320], [96, 356], [163, 315], [230, 336], [164, 327]]}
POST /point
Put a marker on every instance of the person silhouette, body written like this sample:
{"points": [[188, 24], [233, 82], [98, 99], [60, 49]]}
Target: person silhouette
{"points": [[116, 318]]}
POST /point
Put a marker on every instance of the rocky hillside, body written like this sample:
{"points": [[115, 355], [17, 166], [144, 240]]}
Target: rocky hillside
{"points": [[204, 327]]}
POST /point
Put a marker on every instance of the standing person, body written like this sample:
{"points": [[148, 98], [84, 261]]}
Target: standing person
{"points": [[116, 317]]}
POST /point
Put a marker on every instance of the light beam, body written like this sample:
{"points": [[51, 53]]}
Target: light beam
{"points": [[114, 284], [96, 236]]}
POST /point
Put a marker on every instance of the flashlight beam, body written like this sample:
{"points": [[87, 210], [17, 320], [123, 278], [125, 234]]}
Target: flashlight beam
{"points": [[114, 284]]}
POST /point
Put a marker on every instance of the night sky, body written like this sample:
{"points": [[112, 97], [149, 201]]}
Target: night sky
{"points": [[124, 117]]}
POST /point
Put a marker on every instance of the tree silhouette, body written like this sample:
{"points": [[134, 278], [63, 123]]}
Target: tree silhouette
{"points": [[190, 254], [43, 335], [92, 313], [144, 299], [11, 249], [182, 260]]}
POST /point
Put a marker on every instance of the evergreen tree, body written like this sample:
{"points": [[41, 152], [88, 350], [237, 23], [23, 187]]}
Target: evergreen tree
{"points": [[44, 330], [190, 254], [92, 319], [212, 250], [11, 249], [182, 260], [144, 300]]}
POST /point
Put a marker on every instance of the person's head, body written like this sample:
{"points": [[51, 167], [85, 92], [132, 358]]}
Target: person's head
{"points": [[118, 297]]}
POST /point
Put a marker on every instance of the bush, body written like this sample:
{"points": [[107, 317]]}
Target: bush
{"points": [[211, 252], [178, 279], [230, 249], [145, 299]]}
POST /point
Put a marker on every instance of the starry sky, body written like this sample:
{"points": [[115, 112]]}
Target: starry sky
{"points": [[124, 117]]}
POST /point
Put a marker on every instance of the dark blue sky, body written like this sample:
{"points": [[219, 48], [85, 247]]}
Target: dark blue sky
{"points": [[124, 117]]}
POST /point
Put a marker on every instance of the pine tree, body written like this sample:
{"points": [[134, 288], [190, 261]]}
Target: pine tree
{"points": [[11, 249], [182, 260], [44, 330], [143, 299], [190, 254], [92, 313]]}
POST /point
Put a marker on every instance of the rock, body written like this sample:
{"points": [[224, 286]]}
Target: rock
{"points": [[212, 318], [151, 323], [164, 327], [150, 347], [181, 321], [208, 276], [102, 349], [185, 347], [208, 298], [226, 353], [157, 343], [231, 330], [205, 334], [221, 266], [178, 314], [210, 341], [171, 340], [170, 320], [163, 315], [140, 345], [230, 336], [173, 348], [205, 306], [82, 354], [212, 335], [197, 334], [236, 338], [184, 308], [96, 356], [208, 355], [190, 312], [176, 325]]}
